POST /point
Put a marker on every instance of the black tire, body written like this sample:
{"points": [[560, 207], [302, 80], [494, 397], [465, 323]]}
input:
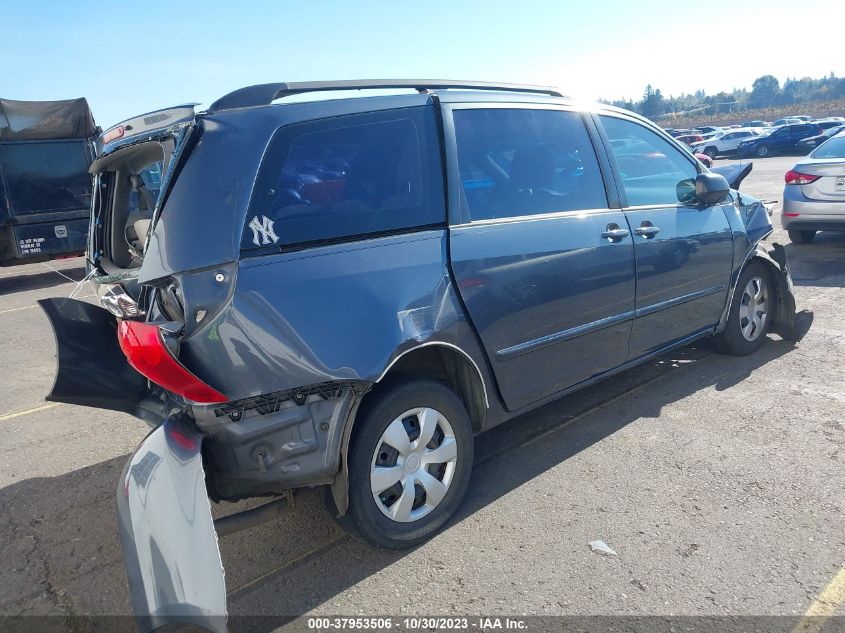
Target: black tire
{"points": [[801, 237], [762, 151], [711, 151], [369, 521], [731, 340]]}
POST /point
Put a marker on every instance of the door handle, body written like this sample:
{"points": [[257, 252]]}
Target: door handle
{"points": [[614, 233], [647, 230]]}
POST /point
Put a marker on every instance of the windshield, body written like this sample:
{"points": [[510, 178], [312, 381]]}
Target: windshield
{"points": [[832, 148]]}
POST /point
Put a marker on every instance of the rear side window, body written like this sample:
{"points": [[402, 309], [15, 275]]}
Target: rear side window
{"points": [[346, 177], [516, 162], [650, 166]]}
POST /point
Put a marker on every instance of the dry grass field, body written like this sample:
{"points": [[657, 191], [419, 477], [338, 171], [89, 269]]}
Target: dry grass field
{"points": [[816, 109]]}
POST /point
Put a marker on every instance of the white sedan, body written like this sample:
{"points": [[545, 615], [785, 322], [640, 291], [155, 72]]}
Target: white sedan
{"points": [[724, 142]]}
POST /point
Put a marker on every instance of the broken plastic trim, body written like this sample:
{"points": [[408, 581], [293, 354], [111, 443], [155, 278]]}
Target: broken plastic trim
{"points": [[788, 323], [272, 402]]}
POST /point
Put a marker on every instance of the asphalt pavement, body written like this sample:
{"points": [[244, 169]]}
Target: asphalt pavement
{"points": [[718, 481]]}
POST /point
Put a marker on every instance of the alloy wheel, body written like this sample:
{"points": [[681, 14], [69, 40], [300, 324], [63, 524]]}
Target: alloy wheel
{"points": [[754, 309], [413, 464]]}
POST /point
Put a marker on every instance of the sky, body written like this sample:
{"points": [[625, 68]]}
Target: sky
{"points": [[130, 58]]}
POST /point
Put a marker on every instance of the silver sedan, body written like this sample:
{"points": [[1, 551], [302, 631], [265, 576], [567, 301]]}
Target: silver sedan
{"points": [[814, 195]]}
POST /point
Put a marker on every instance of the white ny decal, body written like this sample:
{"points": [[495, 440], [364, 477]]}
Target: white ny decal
{"points": [[265, 227]]}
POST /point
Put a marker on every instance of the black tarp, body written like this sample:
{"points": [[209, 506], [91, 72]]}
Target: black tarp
{"points": [[39, 120]]}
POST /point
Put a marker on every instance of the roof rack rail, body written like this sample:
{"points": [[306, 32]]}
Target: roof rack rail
{"points": [[265, 94]]}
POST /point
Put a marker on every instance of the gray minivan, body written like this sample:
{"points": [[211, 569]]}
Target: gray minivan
{"points": [[342, 293]]}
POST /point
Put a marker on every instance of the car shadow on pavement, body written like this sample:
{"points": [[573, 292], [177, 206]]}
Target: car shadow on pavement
{"points": [[62, 555], [38, 280], [820, 263]]}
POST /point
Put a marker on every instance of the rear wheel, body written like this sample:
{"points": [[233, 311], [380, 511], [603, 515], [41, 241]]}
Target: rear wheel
{"points": [[409, 463], [751, 312], [801, 237]]}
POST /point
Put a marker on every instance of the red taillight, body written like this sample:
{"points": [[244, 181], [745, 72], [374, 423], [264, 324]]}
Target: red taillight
{"points": [[797, 178], [114, 133], [147, 353], [792, 215]]}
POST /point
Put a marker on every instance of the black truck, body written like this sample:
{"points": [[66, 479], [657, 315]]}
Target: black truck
{"points": [[46, 148]]}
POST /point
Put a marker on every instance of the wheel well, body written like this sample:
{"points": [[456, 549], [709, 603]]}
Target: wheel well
{"points": [[440, 362], [447, 365]]}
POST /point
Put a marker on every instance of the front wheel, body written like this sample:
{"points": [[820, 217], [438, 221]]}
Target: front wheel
{"points": [[801, 237], [711, 152], [751, 312], [762, 151], [409, 463]]}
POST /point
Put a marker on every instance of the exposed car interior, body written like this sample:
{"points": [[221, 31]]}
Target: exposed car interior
{"points": [[129, 188]]}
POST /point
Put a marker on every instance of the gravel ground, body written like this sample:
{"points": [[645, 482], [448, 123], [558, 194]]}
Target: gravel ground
{"points": [[718, 481]]}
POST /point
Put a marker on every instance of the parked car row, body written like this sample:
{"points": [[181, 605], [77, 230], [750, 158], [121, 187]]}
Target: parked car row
{"points": [[794, 134]]}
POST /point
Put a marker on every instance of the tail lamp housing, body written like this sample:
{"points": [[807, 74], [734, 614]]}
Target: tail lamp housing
{"points": [[144, 348], [793, 177]]}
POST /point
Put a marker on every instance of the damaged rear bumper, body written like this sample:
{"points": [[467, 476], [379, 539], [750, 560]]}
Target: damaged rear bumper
{"points": [[167, 532], [92, 370]]}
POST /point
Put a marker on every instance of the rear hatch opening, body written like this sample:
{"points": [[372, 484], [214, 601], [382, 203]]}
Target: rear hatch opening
{"points": [[131, 177]]}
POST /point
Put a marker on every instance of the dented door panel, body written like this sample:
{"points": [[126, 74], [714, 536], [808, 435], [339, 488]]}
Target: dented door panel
{"points": [[330, 313]]}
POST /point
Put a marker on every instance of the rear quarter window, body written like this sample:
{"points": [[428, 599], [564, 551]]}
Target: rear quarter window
{"points": [[347, 177]]}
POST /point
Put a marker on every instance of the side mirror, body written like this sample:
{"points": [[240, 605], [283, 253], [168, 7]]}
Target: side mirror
{"points": [[706, 188]]}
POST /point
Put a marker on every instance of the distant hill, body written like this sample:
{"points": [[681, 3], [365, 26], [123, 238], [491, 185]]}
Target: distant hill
{"points": [[815, 109], [766, 100]]}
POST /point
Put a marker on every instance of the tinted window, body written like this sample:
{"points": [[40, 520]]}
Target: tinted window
{"points": [[650, 166], [44, 177], [347, 176], [521, 162]]}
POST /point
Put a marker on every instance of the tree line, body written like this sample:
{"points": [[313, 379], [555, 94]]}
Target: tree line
{"points": [[766, 91]]}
